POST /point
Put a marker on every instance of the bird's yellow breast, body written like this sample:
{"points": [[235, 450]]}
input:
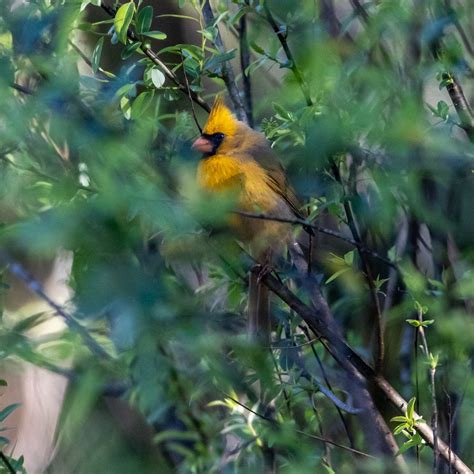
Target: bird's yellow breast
{"points": [[223, 173], [219, 173], [250, 182]]}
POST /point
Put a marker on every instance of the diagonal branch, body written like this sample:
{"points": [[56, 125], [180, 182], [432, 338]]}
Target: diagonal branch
{"points": [[281, 35], [351, 220], [315, 319], [460, 103], [156, 60], [35, 286]]}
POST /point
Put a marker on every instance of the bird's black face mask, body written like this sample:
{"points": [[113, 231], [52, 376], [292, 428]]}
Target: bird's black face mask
{"points": [[208, 144]]}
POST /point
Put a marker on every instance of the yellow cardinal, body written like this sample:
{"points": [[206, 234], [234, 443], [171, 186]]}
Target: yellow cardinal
{"points": [[237, 158]]}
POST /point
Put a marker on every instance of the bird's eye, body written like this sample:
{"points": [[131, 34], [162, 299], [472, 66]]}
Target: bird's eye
{"points": [[219, 136]]}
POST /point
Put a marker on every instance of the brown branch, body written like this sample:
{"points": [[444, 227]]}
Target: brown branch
{"points": [[319, 438], [322, 230], [460, 103], [227, 73], [289, 55], [379, 326], [343, 352], [196, 121], [22, 89], [156, 60], [244, 64], [35, 286]]}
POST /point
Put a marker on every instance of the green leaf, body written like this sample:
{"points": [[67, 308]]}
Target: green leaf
{"points": [[126, 107], [181, 3], [258, 49], [130, 49], [400, 428], [156, 35], [3, 383], [400, 419], [8, 410], [337, 275], [144, 19], [85, 3], [210, 33], [411, 408], [442, 109], [173, 435], [214, 61], [157, 77], [413, 322], [96, 54], [349, 257], [122, 20], [141, 104]]}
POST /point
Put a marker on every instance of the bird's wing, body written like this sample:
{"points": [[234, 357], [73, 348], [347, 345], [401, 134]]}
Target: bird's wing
{"points": [[278, 180]]}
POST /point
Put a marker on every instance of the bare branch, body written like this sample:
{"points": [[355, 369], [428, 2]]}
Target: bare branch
{"points": [[343, 352], [244, 64], [322, 230], [319, 438], [35, 286], [281, 35], [227, 71], [460, 103]]}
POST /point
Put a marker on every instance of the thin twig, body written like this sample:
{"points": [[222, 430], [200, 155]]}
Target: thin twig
{"points": [[322, 230], [20, 88], [326, 379], [379, 326], [281, 35], [343, 351], [35, 286], [7, 463], [189, 94], [274, 422], [451, 12], [450, 430], [434, 405], [244, 65], [227, 73], [460, 103], [156, 60]]}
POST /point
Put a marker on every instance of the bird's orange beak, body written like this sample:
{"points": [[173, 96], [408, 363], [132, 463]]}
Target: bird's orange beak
{"points": [[203, 145]]}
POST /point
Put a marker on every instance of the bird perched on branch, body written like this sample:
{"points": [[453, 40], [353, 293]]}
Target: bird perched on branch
{"points": [[240, 160]]}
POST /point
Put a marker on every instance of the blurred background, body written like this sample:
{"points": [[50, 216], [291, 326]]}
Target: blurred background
{"points": [[123, 294]]}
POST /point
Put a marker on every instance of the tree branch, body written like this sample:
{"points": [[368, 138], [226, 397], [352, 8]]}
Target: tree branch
{"points": [[319, 438], [35, 286], [289, 55], [343, 352], [460, 103], [227, 71], [156, 60], [322, 230], [244, 64]]}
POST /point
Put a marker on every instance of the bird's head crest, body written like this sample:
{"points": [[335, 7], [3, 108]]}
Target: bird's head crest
{"points": [[221, 119]]}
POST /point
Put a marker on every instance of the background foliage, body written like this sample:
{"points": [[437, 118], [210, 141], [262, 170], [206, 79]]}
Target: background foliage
{"points": [[368, 108]]}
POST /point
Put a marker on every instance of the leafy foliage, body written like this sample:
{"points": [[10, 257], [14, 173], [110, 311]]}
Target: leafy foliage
{"points": [[364, 107]]}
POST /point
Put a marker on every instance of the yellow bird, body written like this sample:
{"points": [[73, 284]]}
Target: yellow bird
{"points": [[239, 159]]}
